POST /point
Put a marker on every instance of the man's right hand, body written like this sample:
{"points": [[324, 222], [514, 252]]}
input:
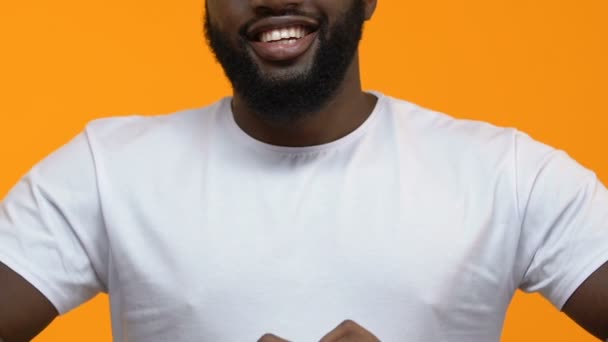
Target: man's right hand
{"points": [[347, 331], [268, 338]]}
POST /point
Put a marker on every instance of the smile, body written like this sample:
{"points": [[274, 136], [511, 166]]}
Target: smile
{"points": [[282, 39], [283, 35]]}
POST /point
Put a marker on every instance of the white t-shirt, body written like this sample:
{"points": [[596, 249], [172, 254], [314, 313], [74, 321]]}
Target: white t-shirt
{"points": [[418, 226]]}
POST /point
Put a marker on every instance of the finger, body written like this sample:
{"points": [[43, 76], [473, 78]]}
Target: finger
{"points": [[349, 331], [271, 338], [340, 332]]}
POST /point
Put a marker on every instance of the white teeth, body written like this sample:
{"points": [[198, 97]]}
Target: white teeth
{"points": [[276, 35], [289, 34]]}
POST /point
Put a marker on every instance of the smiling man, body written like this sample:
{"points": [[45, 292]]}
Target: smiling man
{"points": [[301, 208]]}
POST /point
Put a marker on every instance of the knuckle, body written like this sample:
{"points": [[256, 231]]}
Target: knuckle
{"points": [[267, 338], [349, 324]]}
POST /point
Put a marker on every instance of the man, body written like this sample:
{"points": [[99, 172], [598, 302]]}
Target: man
{"points": [[302, 208]]}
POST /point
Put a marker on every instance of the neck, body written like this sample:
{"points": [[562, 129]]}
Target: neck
{"points": [[346, 111]]}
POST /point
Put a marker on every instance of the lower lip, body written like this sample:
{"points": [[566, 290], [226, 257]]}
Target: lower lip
{"points": [[284, 51]]}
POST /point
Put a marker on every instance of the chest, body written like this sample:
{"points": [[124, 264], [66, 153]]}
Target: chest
{"points": [[239, 254]]}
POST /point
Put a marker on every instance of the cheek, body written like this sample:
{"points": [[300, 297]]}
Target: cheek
{"points": [[335, 9], [227, 15]]}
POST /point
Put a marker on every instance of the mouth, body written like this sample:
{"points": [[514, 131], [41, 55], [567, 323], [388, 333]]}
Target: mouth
{"points": [[282, 39]]}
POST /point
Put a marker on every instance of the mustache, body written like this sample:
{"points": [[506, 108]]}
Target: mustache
{"points": [[321, 19]]}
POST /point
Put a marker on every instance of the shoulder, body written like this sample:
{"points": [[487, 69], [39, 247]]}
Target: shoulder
{"points": [[133, 130], [445, 140], [479, 149], [149, 140], [135, 144], [434, 127]]}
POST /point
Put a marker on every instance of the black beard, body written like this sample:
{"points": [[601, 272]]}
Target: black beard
{"points": [[287, 99]]}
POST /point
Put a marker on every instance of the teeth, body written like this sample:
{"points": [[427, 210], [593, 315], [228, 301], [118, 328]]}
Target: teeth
{"points": [[289, 34], [285, 33], [276, 35]]}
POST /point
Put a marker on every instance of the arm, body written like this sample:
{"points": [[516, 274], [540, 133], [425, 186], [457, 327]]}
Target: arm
{"points": [[588, 305], [24, 311], [52, 235], [564, 213]]}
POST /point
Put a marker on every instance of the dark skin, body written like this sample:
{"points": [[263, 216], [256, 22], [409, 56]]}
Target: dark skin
{"points": [[588, 305], [24, 311]]}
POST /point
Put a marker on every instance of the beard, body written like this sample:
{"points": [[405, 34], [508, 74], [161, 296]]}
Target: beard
{"points": [[291, 96]]}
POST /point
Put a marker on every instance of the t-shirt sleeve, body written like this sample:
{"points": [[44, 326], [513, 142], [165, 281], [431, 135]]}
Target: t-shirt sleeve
{"points": [[564, 213], [51, 227]]}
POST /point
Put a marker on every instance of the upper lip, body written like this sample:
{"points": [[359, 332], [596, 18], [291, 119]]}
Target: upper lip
{"points": [[271, 23]]}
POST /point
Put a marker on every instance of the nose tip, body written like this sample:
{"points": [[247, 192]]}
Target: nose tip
{"points": [[274, 7]]}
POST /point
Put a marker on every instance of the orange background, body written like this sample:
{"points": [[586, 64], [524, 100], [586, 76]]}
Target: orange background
{"points": [[540, 66]]}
